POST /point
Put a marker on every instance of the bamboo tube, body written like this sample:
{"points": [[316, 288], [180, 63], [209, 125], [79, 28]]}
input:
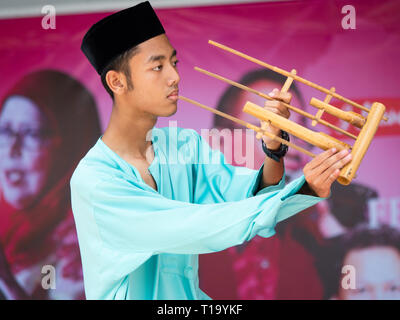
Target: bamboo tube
{"points": [[287, 74], [362, 143], [317, 139], [265, 96], [351, 117], [249, 125]]}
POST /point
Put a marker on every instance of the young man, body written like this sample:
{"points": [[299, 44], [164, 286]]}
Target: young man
{"points": [[148, 200]]}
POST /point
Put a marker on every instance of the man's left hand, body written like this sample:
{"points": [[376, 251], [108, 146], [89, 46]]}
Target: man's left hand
{"points": [[278, 108]]}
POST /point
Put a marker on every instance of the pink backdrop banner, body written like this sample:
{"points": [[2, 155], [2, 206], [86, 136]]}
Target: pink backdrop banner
{"points": [[363, 65]]}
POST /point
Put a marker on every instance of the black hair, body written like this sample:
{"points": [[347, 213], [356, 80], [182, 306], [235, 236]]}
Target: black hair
{"points": [[232, 93], [120, 63], [349, 204]]}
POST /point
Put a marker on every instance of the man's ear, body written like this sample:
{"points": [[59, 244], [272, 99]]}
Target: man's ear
{"points": [[116, 82]]}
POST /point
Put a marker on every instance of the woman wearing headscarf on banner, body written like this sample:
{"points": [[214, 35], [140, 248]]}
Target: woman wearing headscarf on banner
{"points": [[48, 121]]}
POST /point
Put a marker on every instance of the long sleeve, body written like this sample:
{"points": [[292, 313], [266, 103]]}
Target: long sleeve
{"points": [[133, 220]]}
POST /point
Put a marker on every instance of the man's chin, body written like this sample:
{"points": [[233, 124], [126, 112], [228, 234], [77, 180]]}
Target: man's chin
{"points": [[170, 111]]}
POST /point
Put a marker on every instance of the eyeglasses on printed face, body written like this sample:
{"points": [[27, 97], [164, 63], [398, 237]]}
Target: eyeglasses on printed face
{"points": [[30, 138]]}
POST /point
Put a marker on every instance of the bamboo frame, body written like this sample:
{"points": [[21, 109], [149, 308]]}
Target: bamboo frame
{"points": [[362, 143], [287, 74], [368, 125], [290, 107]]}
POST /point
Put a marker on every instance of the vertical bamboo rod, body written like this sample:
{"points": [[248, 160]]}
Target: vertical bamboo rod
{"points": [[362, 143]]}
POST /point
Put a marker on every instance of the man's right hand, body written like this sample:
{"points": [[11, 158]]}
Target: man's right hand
{"points": [[324, 169]]}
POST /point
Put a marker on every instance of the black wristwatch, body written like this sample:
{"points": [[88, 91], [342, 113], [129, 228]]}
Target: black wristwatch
{"points": [[283, 149]]}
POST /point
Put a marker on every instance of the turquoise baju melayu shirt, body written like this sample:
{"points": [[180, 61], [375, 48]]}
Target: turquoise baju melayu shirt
{"points": [[138, 243]]}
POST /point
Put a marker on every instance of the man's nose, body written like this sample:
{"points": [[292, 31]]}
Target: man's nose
{"points": [[174, 78]]}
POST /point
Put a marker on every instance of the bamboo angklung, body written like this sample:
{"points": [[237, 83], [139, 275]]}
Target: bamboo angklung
{"points": [[368, 124]]}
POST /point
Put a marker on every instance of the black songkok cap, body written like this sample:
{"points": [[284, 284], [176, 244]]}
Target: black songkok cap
{"points": [[119, 32]]}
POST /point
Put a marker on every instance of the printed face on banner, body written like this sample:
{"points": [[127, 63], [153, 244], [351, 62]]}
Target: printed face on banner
{"points": [[377, 274], [26, 149]]}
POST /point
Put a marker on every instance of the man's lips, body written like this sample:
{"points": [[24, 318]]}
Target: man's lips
{"points": [[173, 95]]}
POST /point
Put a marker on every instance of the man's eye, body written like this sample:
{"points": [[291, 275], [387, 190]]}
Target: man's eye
{"points": [[175, 63], [158, 68]]}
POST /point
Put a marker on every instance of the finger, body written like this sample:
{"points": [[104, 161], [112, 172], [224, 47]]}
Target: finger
{"points": [[324, 182], [274, 92], [283, 110], [267, 125], [272, 109], [319, 177], [320, 158], [331, 178], [272, 130], [335, 166], [278, 108], [282, 96], [276, 104], [335, 161], [272, 104], [326, 185], [278, 112]]}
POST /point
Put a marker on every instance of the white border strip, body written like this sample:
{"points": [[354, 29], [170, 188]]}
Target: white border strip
{"points": [[19, 9]]}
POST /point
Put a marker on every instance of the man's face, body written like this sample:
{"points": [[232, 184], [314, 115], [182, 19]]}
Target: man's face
{"points": [[377, 274], [155, 77]]}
